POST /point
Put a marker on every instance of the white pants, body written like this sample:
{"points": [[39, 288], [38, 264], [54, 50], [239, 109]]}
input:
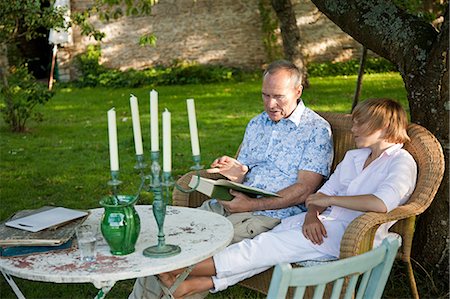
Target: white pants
{"points": [[284, 244]]}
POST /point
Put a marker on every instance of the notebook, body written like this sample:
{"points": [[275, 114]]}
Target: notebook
{"points": [[45, 219]]}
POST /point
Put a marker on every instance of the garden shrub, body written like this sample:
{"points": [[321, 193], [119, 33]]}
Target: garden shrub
{"points": [[351, 67], [20, 96], [179, 73]]}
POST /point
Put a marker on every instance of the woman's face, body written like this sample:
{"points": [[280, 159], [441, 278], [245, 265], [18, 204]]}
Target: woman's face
{"points": [[362, 139]]}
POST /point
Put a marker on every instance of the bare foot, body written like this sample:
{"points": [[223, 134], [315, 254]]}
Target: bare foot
{"points": [[190, 286], [193, 285], [167, 278]]}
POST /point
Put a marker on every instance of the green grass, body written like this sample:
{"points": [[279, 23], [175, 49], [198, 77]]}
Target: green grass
{"points": [[64, 160]]}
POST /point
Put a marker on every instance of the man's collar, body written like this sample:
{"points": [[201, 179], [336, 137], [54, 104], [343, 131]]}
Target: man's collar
{"points": [[297, 113]]}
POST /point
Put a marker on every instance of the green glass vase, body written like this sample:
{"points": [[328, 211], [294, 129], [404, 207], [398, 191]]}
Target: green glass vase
{"points": [[120, 224]]}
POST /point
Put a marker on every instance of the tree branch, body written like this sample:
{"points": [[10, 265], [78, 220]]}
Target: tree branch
{"points": [[383, 28]]}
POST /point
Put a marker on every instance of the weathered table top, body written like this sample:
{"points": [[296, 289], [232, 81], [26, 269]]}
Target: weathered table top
{"points": [[200, 234]]}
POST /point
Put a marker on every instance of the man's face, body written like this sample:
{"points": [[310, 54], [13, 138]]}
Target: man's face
{"points": [[280, 95]]}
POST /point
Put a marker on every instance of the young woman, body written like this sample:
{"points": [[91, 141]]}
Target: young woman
{"points": [[376, 177]]}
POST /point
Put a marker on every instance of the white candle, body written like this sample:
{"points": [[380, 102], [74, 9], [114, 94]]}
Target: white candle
{"points": [[136, 125], [154, 121], [167, 143], [112, 133], [193, 127]]}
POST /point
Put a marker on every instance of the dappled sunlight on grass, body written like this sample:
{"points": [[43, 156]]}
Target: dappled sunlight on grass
{"points": [[63, 107], [335, 94], [64, 160]]}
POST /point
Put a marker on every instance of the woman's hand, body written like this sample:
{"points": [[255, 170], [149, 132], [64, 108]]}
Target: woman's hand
{"points": [[313, 229], [230, 168]]}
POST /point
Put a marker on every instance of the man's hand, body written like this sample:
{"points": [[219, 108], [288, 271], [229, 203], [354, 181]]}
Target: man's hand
{"points": [[240, 203], [230, 168], [313, 229], [319, 200]]}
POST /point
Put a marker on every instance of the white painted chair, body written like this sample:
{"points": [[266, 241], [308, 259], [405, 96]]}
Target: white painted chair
{"points": [[370, 269]]}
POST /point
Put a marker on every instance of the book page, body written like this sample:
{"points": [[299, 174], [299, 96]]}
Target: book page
{"points": [[245, 188]]}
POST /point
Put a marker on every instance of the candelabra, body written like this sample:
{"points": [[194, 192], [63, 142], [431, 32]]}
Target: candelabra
{"points": [[160, 185]]}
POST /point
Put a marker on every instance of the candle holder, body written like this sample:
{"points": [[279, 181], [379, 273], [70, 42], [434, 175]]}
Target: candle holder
{"points": [[160, 185], [114, 183]]}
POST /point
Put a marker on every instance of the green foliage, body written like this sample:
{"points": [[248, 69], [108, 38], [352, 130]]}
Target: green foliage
{"points": [[20, 92], [24, 18], [108, 10], [88, 65], [351, 67], [428, 10], [94, 74], [82, 20], [20, 96], [149, 39]]}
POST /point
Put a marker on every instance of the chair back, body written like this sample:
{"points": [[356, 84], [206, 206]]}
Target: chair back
{"points": [[370, 269], [427, 152], [343, 141]]}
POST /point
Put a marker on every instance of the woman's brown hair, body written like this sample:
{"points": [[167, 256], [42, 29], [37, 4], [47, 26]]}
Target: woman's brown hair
{"points": [[380, 114]]}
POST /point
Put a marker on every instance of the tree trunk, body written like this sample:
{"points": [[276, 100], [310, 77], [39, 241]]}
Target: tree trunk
{"points": [[421, 55], [362, 64], [10, 115], [290, 34], [431, 244]]}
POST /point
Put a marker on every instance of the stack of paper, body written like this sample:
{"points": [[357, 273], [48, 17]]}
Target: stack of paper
{"points": [[44, 229]]}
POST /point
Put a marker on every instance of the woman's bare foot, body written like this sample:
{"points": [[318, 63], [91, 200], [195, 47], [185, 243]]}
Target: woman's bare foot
{"points": [[167, 278], [193, 285]]}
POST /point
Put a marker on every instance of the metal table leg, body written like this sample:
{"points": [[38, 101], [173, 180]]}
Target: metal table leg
{"points": [[13, 285], [103, 291]]}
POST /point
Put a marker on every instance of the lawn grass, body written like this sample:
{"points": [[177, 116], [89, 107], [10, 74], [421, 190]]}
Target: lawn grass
{"points": [[64, 160]]}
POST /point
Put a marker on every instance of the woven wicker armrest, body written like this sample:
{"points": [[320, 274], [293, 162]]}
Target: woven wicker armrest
{"points": [[360, 233], [192, 199]]}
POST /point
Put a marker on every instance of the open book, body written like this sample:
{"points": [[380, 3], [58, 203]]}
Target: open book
{"points": [[220, 188]]}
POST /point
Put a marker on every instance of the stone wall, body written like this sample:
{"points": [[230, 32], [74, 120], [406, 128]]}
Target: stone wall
{"points": [[226, 32], [322, 39]]}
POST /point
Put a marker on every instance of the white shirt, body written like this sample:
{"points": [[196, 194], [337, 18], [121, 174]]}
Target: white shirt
{"points": [[391, 178]]}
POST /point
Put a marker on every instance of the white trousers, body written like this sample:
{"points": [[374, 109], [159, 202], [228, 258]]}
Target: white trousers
{"points": [[284, 244]]}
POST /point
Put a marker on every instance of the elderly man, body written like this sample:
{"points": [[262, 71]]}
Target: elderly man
{"points": [[287, 149]]}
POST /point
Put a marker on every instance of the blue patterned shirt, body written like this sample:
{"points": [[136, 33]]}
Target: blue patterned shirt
{"points": [[276, 151]]}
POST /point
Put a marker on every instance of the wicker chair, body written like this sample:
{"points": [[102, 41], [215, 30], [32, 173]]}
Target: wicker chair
{"points": [[358, 238]]}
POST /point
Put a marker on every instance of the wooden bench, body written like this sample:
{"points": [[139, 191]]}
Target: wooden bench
{"points": [[358, 238]]}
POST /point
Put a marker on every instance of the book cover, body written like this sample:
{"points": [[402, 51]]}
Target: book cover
{"points": [[53, 236], [6, 251], [45, 219], [220, 188]]}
